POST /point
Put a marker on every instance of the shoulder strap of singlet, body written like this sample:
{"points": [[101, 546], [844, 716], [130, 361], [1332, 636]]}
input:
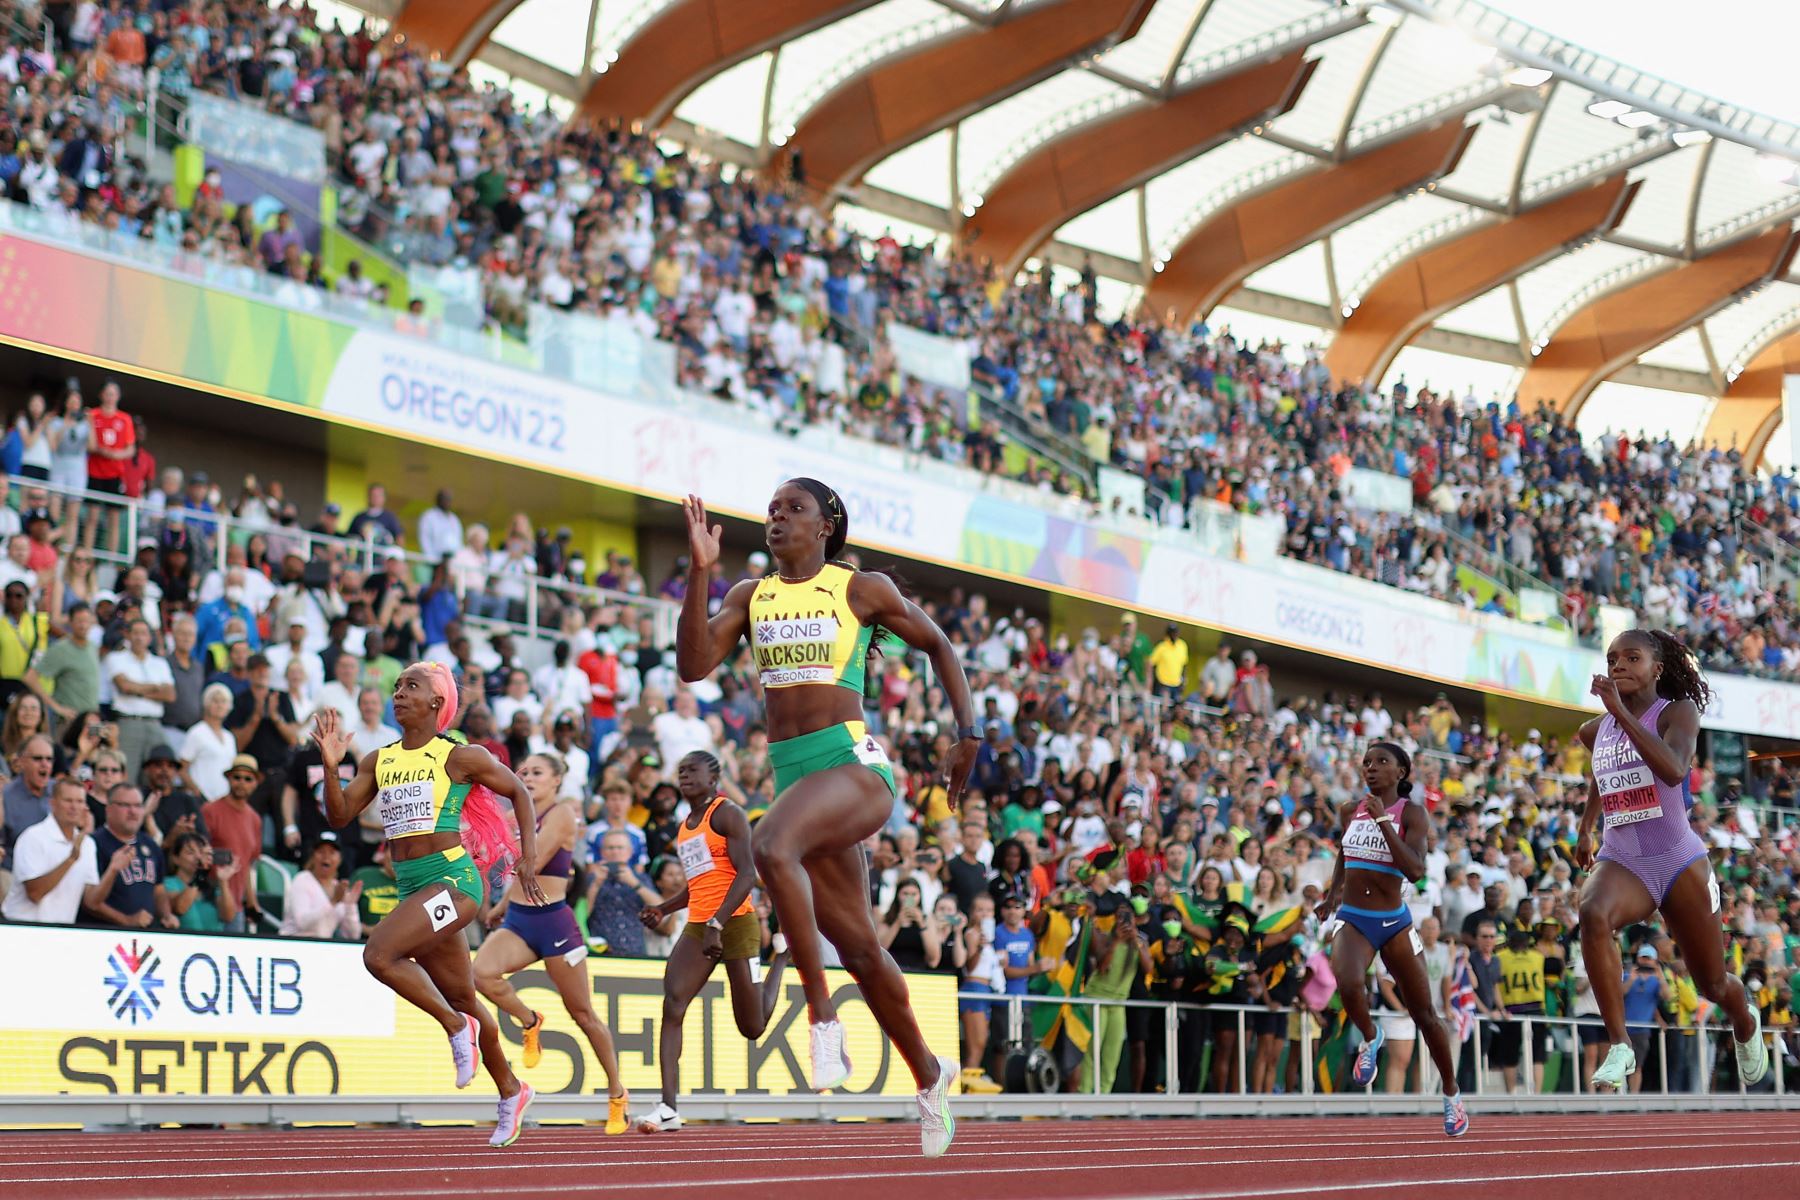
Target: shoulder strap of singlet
{"points": [[706, 820]]}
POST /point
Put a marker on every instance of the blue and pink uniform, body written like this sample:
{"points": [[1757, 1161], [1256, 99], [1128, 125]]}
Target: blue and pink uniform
{"points": [[1646, 824], [549, 929], [1365, 848]]}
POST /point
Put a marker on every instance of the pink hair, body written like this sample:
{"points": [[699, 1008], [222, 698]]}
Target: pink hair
{"points": [[486, 833]]}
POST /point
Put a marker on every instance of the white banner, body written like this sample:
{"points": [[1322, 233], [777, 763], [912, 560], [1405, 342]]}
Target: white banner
{"points": [[930, 357], [1377, 490], [153, 980], [489, 408]]}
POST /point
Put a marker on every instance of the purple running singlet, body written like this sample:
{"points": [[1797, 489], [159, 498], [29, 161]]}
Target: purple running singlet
{"points": [[1646, 824]]}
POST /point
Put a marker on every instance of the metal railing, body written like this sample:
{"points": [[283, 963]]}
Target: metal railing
{"points": [[1562, 1035], [213, 533]]}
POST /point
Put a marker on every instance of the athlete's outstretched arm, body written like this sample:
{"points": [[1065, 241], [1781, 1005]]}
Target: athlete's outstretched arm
{"points": [[1666, 754], [473, 764], [341, 803], [701, 643], [876, 600]]}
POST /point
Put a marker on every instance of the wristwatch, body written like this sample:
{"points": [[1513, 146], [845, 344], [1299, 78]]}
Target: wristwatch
{"points": [[715, 923], [968, 732]]}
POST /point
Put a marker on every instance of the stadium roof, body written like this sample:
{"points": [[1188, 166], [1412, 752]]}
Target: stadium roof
{"points": [[1430, 173]]}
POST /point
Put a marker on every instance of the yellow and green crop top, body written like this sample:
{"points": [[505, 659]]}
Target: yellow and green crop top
{"points": [[413, 791], [807, 633]]}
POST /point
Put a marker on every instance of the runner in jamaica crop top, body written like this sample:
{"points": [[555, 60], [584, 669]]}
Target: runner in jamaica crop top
{"points": [[413, 791], [806, 633]]}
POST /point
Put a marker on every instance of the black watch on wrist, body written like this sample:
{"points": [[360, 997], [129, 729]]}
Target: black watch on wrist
{"points": [[967, 732]]}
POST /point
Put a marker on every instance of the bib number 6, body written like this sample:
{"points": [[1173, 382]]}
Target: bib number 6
{"points": [[441, 909]]}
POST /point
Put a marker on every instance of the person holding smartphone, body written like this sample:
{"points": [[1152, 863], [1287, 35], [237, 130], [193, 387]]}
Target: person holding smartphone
{"points": [[616, 893]]}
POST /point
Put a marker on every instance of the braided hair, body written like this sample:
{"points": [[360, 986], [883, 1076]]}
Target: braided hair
{"points": [[705, 759], [1680, 678], [1404, 759]]}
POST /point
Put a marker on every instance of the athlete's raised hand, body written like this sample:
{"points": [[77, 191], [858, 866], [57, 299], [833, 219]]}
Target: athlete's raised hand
{"points": [[703, 541], [328, 735]]}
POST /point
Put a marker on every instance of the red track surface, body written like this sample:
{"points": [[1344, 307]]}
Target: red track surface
{"points": [[1661, 1156]]}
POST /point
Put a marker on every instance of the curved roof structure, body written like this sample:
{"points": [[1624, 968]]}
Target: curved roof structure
{"points": [[1397, 173]]}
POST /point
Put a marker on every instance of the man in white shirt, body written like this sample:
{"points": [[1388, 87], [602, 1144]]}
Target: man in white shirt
{"points": [[54, 861], [340, 693], [681, 731], [294, 650], [367, 733], [142, 683], [440, 530]]}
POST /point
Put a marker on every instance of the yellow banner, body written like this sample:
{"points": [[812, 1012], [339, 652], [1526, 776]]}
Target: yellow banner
{"points": [[415, 1060]]}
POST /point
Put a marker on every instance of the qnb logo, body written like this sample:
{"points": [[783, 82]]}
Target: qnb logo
{"points": [[135, 988]]}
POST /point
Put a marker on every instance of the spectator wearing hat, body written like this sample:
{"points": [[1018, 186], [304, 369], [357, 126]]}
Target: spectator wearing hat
{"points": [[169, 808], [319, 903], [129, 893], [142, 684], [24, 634], [1646, 991], [53, 862], [235, 830], [327, 524], [563, 732]]}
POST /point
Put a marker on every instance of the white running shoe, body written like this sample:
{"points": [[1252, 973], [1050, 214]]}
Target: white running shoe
{"points": [[464, 1050], [1753, 1055], [937, 1128], [512, 1115], [1616, 1071], [830, 1061], [663, 1120]]}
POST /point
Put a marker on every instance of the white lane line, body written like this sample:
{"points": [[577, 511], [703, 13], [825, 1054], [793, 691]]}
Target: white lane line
{"points": [[1331, 1189], [635, 1147], [509, 1162]]}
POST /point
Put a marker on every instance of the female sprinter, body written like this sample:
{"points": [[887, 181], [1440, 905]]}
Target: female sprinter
{"points": [[1648, 858], [529, 933], [1381, 851], [810, 625], [426, 787], [714, 847]]}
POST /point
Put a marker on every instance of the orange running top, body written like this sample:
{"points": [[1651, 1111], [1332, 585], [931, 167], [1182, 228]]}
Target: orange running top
{"points": [[708, 865]]}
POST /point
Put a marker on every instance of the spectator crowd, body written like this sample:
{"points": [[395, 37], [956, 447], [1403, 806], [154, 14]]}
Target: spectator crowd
{"points": [[1144, 821], [773, 307]]}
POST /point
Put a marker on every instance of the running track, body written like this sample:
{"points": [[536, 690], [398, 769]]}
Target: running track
{"points": [[1744, 1156]]}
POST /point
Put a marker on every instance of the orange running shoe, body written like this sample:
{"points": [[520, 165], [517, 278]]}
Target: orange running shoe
{"points": [[618, 1119], [534, 1048]]}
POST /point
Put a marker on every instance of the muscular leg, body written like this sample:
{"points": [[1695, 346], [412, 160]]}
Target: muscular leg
{"points": [[1414, 983], [840, 881], [572, 985], [447, 962], [827, 812], [400, 939], [1694, 924], [1351, 955], [753, 1006], [503, 953], [683, 978], [1611, 899]]}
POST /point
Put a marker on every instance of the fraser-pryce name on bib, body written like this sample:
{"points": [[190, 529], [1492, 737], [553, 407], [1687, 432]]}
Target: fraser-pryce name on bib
{"points": [[407, 808]]}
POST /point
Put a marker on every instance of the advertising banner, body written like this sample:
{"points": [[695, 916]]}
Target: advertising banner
{"points": [[140, 1012], [932, 358]]}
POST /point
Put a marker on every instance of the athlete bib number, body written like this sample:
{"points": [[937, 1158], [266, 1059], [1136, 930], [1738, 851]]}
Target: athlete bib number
{"points": [[696, 859], [1629, 796], [407, 808]]}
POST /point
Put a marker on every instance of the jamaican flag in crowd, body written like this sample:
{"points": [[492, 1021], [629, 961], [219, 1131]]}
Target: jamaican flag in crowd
{"points": [[1050, 1020], [1279, 921]]}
